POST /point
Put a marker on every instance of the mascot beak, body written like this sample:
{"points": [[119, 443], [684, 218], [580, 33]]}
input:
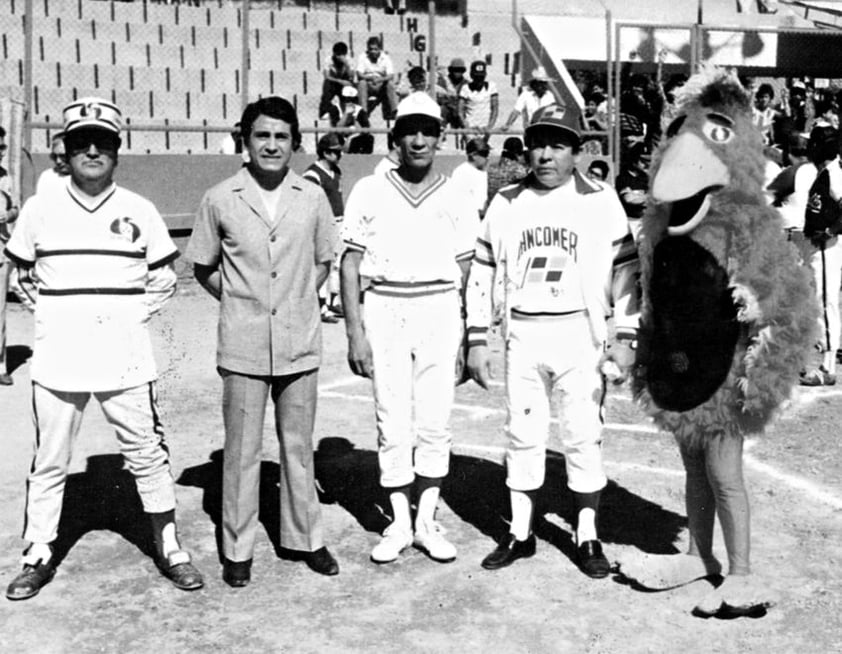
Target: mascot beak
{"points": [[688, 173]]}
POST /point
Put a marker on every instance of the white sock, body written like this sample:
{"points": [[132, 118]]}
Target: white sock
{"points": [[521, 514], [37, 552], [427, 504], [400, 510], [586, 526], [169, 539]]}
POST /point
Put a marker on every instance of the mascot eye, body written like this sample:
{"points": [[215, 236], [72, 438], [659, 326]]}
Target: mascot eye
{"points": [[717, 132]]}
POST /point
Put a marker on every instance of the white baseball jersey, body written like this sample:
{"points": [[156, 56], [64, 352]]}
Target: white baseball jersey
{"points": [[92, 259], [411, 244], [551, 253], [475, 183], [528, 103]]}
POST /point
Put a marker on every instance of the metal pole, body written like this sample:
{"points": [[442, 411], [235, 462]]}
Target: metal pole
{"points": [[609, 88], [27, 74], [431, 61], [244, 66]]}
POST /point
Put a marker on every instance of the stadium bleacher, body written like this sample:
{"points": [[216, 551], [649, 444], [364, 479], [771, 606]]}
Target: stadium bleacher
{"points": [[178, 62]]}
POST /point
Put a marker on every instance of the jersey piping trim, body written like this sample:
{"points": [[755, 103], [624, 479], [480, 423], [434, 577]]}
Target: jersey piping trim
{"points": [[544, 315], [160, 263], [18, 260], [415, 200], [91, 291], [99, 204], [356, 247], [411, 289], [467, 255], [83, 251]]}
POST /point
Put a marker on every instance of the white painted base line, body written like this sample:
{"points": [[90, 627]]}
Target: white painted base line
{"points": [[497, 453]]}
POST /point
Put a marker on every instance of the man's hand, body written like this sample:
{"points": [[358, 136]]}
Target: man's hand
{"points": [[359, 355], [479, 365]]}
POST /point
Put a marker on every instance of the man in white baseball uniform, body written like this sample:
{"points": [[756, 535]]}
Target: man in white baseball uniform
{"points": [[409, 235], [101, 256], [554, 258]]}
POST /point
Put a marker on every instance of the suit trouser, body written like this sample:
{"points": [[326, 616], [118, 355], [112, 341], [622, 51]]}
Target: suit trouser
{"points": [[132, 412], [5, 270], [244, 400], [544, 357]]}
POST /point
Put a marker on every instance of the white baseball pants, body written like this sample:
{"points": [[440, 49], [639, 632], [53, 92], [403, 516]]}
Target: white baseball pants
{"points": [[414, 341], [545, 356], [58, 415]]}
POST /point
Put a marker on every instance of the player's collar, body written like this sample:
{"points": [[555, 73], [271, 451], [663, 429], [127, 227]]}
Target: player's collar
{"points": [[415, 200], [87, 202]]}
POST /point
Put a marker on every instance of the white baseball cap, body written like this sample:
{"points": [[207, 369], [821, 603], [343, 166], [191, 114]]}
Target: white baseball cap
{"points": [[418, 104], [349, 92], [92, 113]]}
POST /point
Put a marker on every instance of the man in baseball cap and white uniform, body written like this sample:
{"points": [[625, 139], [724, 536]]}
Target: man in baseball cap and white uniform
{"points": [[101, 256], [554, 259], [409, 235]]}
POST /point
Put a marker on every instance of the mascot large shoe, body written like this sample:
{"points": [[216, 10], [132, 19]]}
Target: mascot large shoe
{"points": [[728, 320]]}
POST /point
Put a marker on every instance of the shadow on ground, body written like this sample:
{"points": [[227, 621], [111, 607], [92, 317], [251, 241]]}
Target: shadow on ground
{"points": [[475, 490], [103, 497], [16, 356]]}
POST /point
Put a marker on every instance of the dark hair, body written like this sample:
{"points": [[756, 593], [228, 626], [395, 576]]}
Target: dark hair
{"points": [[599, 164], [340, 48], [596, 97], [765, 89], [512, 148], [823, 144], [416, 73], [373, 40], [274, 107]]}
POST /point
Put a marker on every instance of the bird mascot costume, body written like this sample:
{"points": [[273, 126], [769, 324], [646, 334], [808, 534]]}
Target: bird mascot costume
{"points": [[728, 320]]}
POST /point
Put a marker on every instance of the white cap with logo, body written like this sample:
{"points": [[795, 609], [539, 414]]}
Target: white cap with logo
{"points": [[92, 113]]}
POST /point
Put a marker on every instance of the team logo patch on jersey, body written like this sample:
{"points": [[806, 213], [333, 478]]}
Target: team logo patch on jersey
{"points": [[126, 229], [544, 269]]}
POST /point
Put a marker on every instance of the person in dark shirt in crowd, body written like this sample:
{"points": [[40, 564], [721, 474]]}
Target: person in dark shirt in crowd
{"points": [[632, 183], [338, 74], [447, 92], [598, 170], [509, 169]]}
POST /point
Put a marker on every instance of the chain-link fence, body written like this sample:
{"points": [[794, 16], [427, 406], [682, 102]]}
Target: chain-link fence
{"points": [[182, 71]]}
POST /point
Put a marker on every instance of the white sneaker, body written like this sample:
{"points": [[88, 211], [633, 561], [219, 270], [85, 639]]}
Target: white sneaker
{"points": [[430, 538], [394, 541]]}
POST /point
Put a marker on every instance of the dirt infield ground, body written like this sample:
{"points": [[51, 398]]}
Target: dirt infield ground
{"points": [[107, 596]]}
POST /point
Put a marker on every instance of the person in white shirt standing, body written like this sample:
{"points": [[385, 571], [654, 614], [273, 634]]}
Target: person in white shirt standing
{"points": [[59, 173], [409, 236], [472, 175], [101, 255], [479, 100], [536, 97], [554, 258]]}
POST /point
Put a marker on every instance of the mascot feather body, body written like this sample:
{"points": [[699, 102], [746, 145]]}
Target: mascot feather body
{"points": [[728, 315]]}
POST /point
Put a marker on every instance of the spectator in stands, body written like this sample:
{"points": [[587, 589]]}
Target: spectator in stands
{"points": [[763, 113], [232, 143], [60, 170], [447, 92], [376, 79], [338, 74], [826, 114], [509, 169], [594, 121], [416, 82], [632, 183], [350, 114], [598, 170], [325, 172], [478, 100], [634, 118], [782, 187], [472, 175], [532, 99], [8, 215], [395, 6]]}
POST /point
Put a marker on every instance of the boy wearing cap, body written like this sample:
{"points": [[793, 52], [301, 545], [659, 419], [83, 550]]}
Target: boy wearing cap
{"points": [[472, 175], [409, 236], [325, 172], [478, 100], [531, 99], [554, 257], [101, 255]]}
